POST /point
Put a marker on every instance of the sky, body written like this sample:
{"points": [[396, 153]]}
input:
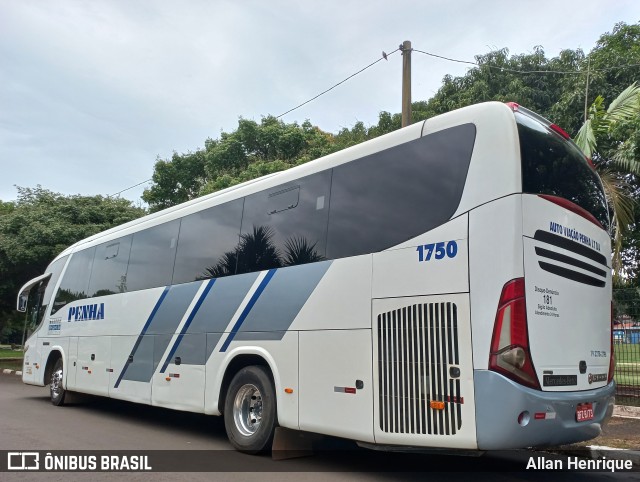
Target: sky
{"points": [[92, 93]]}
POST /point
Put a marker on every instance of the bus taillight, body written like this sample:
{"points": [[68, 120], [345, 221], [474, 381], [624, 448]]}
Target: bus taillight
{"points": [[510, 353]]}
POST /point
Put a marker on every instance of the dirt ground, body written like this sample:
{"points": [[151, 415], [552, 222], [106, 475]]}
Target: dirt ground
{"points": [[619, 432]]}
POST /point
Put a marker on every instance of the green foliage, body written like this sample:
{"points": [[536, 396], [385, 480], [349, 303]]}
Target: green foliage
{"points": [[40, 224], [498, 78], [610, 64], [608, 136], [177, 180]]}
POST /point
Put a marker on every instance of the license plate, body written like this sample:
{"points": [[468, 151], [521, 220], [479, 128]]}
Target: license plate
{"points": [[584, 412]]}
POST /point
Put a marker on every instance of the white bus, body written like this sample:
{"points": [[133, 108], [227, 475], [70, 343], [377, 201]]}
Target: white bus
{"points": [[447, 285]]}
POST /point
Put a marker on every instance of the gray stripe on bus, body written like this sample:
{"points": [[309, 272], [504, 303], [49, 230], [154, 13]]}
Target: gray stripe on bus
{"points": [[212, 318], [282, 300], [159, 333]]}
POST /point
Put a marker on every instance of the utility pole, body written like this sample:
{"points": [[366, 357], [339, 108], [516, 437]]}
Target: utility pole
{"points": [[586, 91], [405, 48]]}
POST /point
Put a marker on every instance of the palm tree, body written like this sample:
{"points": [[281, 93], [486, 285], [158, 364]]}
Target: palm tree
{"points": [[619, 161]]}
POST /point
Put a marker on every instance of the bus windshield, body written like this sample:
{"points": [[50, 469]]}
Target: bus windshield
{"points": [[555, 166]]}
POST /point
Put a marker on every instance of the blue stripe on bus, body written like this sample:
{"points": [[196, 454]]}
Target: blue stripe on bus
{"points": [[144, 330], [185, 327], [247, 309]]}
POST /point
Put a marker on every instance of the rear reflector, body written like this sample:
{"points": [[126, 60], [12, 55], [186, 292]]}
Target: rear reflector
{"points": [[510, 353], [573, 207]]}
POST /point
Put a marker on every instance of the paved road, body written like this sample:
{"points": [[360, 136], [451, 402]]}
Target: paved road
{"points": [[28, 421]]}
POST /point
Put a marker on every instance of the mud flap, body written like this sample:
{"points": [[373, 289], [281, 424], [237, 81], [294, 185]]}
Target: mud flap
{"points": [[289, 444]]}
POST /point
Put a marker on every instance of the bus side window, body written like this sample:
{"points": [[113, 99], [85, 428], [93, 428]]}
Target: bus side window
{"points": [[110, 267], [285, 225], [386, 198], [152, 257], [75, 283], [208, 242]]}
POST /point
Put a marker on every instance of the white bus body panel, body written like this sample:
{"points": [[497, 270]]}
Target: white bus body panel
{"points": [[331, 361], [398, 271], [495, 257], [94, 358], [30, 374], [569, 320], [418, 340]]}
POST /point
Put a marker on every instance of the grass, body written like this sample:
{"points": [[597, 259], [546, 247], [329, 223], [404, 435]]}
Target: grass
{"points": [[11, 359], [10, 364], [9, 353], [627, 353], [627, 364]]}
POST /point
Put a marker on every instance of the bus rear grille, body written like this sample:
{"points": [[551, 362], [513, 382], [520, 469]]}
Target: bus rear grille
{"points": [[417, 349]]}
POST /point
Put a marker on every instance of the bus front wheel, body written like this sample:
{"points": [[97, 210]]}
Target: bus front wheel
{"points": [[56, 390], [250, 410]]}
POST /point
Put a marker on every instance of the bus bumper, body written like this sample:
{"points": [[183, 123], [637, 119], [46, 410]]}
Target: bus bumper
{"points": [[500, 401]]}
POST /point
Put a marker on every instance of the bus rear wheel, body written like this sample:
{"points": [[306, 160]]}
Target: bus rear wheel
{"points": [[56, 390], [250, 410]]}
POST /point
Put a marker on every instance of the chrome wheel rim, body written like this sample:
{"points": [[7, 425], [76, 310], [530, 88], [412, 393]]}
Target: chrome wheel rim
{"points": [[56, 383], [247, 410]]}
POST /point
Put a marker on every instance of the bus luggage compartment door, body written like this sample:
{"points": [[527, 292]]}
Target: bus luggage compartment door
{"points": [[423, 372]]}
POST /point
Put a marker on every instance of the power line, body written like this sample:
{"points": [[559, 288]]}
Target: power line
{"points": [[383, 57], [130, 187], [570, 72], [445, 58]]}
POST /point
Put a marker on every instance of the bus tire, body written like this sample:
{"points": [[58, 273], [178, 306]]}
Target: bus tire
{"points": [[56, 391], [250, 416]]}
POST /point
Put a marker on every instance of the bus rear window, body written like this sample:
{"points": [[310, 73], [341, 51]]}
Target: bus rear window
{"points": [[555, 166]]}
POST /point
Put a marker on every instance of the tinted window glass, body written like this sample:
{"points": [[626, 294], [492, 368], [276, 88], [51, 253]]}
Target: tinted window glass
{"points": [[552, 165], [75, 282], [110, 267], [285, 225], [55, 269], [391, 196], [153, 253], [205, 240]]}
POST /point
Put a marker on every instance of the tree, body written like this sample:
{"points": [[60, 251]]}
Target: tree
{"points": [[177, 180], [39, 225], [614, 157], [612, 65]]}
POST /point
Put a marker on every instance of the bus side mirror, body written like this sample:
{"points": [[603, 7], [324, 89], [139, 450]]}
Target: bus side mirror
{"points": [[22, 302]]}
